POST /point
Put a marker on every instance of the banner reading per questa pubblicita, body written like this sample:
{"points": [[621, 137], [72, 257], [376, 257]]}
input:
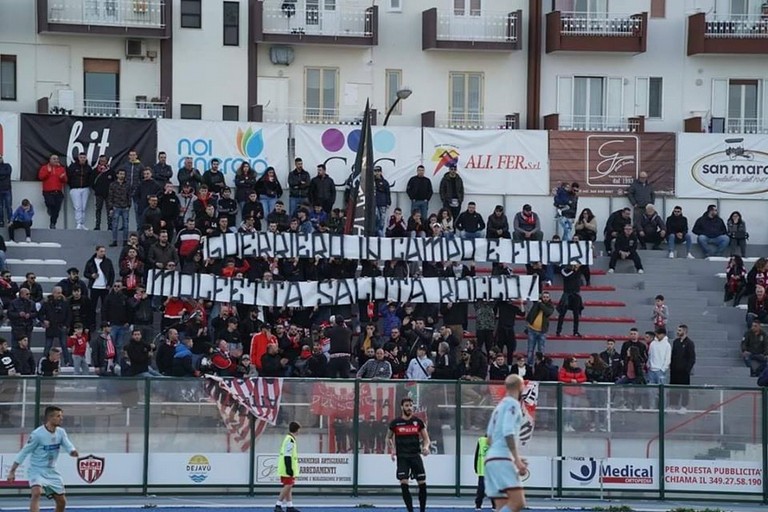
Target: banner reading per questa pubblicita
{"points": [[396, 149], [260, 144], [490, 161], [711, 165]]}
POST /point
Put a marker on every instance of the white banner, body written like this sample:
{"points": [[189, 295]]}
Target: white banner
{"points": [[708, 475], [233, 143], [396, 149], [539, 472], [612, 473], [323, 245], [719, 165], [198, 468], [490, 161], [316, 469], [9, 143], [92, 469], [435, 290]]}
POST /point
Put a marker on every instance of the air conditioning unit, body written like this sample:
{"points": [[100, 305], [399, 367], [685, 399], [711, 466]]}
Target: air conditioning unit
{"points": [[134, 48]]}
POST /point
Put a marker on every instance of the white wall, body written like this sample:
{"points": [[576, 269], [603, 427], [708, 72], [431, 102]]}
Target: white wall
{"points": [[204, 70], [46, 63]]}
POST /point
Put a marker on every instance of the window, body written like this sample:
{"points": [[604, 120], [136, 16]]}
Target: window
{"points": [[102, 87], [466, 98], [648, 97], [191, 14], [587, 101], [7, 77], [739, 7], [321, 94], [742, 106], [230, 113], [466, 8], [395, 6], [593, 7], [394, 81], [191, 111], [231, 23], [658, 9], [590, 102]]}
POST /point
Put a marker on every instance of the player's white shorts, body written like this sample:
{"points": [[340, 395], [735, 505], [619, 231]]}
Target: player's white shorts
{"points": [[50, 480], [501, 476]]}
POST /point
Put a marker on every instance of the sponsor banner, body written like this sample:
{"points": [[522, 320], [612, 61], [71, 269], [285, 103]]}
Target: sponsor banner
{"points": [[714, 475], [539, 472], [586, 473], [316, 469], [90, 469], [261, 145], [396, 149], [199, 468], [380, 470], [490, 161], [711, 165], [606, 164], [9, 142], [44, 135], [323, 245], [436, 290]]}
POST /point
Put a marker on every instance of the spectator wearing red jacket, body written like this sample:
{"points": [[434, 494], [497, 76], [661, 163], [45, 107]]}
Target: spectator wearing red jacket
{"points": [[223, 361], [54, 177], [570, 373]]}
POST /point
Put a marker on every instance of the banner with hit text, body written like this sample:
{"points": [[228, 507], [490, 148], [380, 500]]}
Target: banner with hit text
{"points": [[722, 165], [233, 143], [489, 161], [9, 142], [43, 135], [396, 149]]}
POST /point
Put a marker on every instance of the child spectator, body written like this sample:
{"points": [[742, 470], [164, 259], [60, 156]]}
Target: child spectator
{"points": [[78, 343], [22, 219], [660, 312]]}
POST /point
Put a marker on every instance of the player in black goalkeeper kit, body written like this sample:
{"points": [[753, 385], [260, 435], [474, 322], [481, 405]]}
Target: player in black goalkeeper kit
{"points": [[408, 441]]}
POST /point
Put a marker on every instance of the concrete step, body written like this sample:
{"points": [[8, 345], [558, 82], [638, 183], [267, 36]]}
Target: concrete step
{"points": [[32, 245]]}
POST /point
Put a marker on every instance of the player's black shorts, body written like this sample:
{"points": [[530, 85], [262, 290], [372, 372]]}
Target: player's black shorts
{"points": [[410, 467]]}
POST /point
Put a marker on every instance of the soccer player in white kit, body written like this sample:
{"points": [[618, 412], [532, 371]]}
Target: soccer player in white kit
{"points": [[504, 467], [43, 448]]}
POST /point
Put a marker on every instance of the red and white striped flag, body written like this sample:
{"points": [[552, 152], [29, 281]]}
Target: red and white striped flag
{"points": [[238, 399]]}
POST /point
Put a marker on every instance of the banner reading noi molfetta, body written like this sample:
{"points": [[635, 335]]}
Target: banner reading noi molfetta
{"points": [[323, 245], [9, 142], [260, 144], [606, 164], [335, 292], [711, 165], [396, 149], [43, 135], [489, 161]]}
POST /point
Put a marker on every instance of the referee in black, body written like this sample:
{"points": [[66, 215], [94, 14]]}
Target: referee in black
{"points": [[408, 441]]}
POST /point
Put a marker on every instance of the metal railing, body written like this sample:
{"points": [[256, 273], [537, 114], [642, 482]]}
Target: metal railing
{"points": [[347, 115], [117, 13], [593, 24], [745, 26], [491, 26], [597, 123], [477, 121], [346, 19], [114, 108], [746, 125]]}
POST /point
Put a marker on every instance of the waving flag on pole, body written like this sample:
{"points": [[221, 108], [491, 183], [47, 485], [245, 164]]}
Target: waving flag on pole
{"points": [[361, 205]]}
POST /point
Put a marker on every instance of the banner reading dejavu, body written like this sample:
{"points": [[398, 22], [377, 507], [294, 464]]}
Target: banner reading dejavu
{"points": [[43, 135], [606, 164]]}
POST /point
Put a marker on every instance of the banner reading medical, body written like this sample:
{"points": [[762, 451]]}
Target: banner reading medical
{"points": [[396, 149], [45, 135], [9, 142], [711, 165], [490, 161], [606, 164], [334, 292], [611, 473], [261, 145], [323, 245]]}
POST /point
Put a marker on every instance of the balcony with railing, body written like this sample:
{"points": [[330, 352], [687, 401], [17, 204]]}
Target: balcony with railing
{"points": [[728, 34], [155, 108], [131, 18], [584, 123], [593, 32], [735, 125], [480, 30], [309, 115], [462, 120], [346, 22]]}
